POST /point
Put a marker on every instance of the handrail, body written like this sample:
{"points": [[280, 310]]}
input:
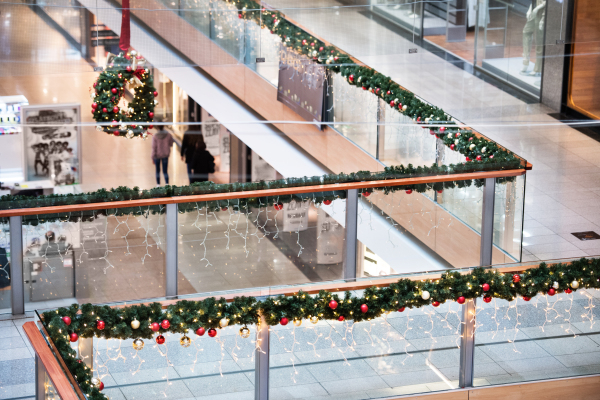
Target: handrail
{"points": [[51, 365], [260, 193]]}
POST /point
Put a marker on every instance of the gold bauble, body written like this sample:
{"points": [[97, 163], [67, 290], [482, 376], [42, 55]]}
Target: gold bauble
{"points": [[314, 319], [95, 382], [185, 341], [297, 322], [224, 322], [138, 344], [135, 324], [245, 332]]}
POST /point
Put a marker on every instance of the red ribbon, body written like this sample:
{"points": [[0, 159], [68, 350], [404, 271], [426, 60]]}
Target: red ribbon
{"points": [[125, 40]]}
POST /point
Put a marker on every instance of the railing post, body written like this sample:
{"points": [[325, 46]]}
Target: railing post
{"points": [[467, 346], [380, 147], [171, 252], [261, 361], [16, 266], [40, 378], [351, 232]]}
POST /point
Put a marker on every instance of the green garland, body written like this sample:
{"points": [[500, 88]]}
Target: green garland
{"points": [[110, 87], [191, 315], [370, 80], [123, 193]]}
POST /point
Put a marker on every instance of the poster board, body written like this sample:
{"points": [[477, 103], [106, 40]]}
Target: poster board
{"points": [[211, 131], [330, 242], [52, 143], [295, 216], [225, 151]]}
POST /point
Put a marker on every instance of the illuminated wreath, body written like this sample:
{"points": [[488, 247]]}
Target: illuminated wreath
{"points": [[109, 89]]}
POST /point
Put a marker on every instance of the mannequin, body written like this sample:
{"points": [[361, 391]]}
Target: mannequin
{"points": [[534, 25]]}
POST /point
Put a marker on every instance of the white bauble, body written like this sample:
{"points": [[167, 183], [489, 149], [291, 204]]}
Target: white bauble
{"points": [[425, 295], [574, 284], [404, 108], [224, 322], [483, 149], [472, 146], [450, 136], [135, 324], [555, 285]]}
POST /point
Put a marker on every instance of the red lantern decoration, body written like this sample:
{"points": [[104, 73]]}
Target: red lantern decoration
{"points": [[160, 339], [333, 304], [73, 337], [155, 326], [66, 320], [212, 332], [200, 331], [165, 324], [364, 308], [516, 278], [100, 325], [283, 321]]}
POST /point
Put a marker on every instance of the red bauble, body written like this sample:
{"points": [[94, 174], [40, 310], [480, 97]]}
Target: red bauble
{"points": [[240, 16], [568, 290], [150, 126], [491, 156], [478, 158], [283, 321], [351, 78], [94, 105], [335, 58], [101, 386], [133, 126], [440, 191], [114, 90], [485, 287], [401, 309], [93, 111], [165, 324], [487, 299], [452, 146], [468, 159], [115, 109], [516, 278], [160, 339], [128, 68], [116, 133], [155, 326], [388, 92], [66, 320], [442, 129], [304, 42], [431, 132], [95, 84], [100, 325], [341, 318], [408, 191], [392, 103], [151, 114], [212, 332], [460, 300], [104, 110], [278, 206], [366, 194], [551, 292], [327, 202], [320, 48], [364, 88], [200, 331], [333, 304], [435, 303], [73, 337], [127, 56], [155, 94], [364, 308], [418, 119], [526, 298]]}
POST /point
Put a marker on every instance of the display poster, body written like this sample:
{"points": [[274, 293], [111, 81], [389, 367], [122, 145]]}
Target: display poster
{"points": [[211, 131], [301, 85], [295, 216], [225, 151], [52, 143], [262, 170], [330, 239]]}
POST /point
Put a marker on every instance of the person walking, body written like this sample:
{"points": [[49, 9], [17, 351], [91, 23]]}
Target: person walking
{"points": [[203, 163], [161, 148], [188, 146]]}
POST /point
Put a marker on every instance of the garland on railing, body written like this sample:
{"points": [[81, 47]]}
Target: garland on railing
{"points": [[123, 193], [402, 100], [66, 325]]}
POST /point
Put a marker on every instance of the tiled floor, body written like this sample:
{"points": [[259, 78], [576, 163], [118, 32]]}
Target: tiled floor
{"points": [[17, 366]]}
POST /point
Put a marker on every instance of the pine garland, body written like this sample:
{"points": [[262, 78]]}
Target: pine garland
{"points": [[191, 315]]}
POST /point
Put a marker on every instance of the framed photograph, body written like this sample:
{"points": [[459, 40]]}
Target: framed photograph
{"points": [[52, 143]]}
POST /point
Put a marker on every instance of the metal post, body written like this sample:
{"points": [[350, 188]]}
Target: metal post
{"points": [[380, 147], [467, 344], [261, 371], [351, 231], [85, 351], [487, 222], [40, 378], [171, 259], [16, 266]]}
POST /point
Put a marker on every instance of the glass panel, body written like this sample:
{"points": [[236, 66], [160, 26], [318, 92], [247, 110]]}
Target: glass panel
{"points": [[197, 13], [414, 351], [227, 30], [93, 258], [260, 43], [50, 392], [5, 275], [405, 13], [227, 246], [547, 337]]}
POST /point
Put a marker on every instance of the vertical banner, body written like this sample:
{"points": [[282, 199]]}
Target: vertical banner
{"points": [[330, 239], [211, 131], [225, 151], [52, 143], [295, 216]]}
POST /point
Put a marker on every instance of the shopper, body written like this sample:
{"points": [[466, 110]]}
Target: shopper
{"points": [[161, 148], [188, 146], [203, 163]]}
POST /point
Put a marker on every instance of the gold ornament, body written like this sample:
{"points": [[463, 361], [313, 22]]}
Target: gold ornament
{"points": [[138, 344], [135, 324], [574, 284], [129, 134], [245, 332], [185, 341], [297, 322], [314, 319], [95, 382], [224, 322]]}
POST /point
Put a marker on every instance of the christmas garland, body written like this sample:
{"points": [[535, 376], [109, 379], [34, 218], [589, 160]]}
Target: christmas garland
{"points": [[110, 88], [66, 325], [123, 193], [461, 140]]}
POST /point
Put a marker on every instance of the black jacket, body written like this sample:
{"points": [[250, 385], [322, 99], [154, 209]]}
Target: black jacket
{"points": [[188, 145], [203, 163]]}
